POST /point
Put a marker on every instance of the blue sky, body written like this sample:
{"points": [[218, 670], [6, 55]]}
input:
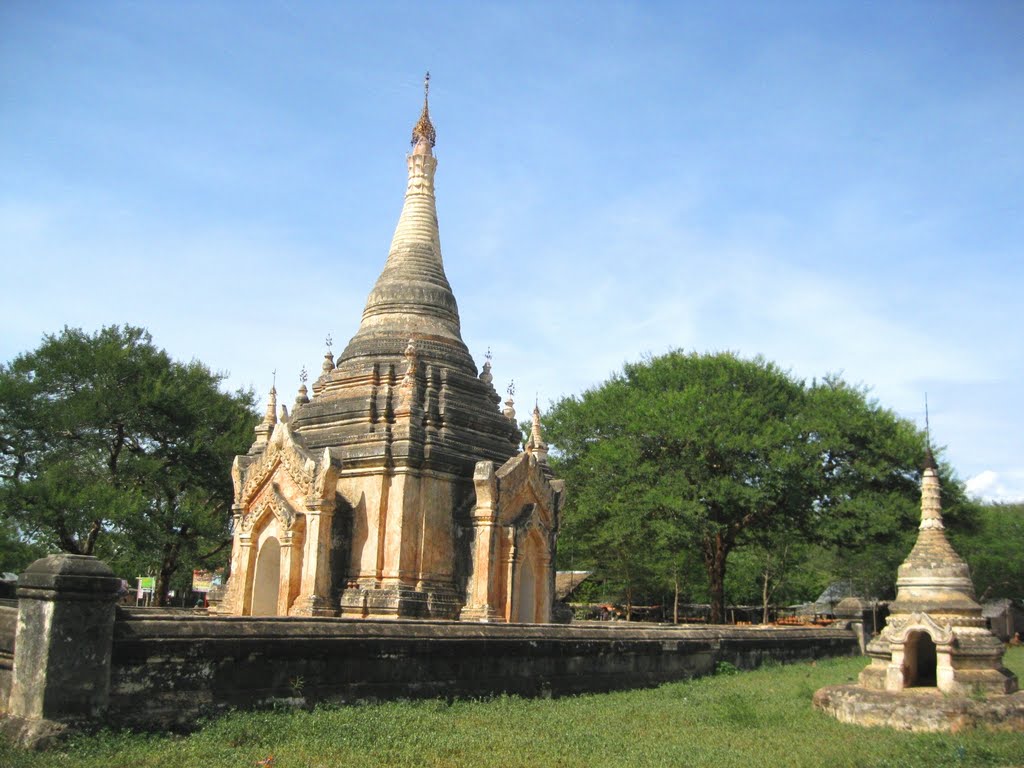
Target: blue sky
{"points": [[838, 187]]}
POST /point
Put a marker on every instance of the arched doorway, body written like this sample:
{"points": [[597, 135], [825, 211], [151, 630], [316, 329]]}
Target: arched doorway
{"points": [[919, 660], [526, 592], [267, 580]]}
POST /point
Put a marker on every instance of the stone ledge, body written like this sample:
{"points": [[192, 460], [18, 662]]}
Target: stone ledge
{"points": [[138, 625], [920, 709]]}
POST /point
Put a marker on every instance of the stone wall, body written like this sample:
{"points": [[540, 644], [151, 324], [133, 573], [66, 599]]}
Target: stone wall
{"points": [[167, 669], [76, 661], [8, 627]]}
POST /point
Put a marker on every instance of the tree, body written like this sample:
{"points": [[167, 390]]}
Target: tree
{"points": [[994, 549], [714, 445], [710, 453], [109, 447]]}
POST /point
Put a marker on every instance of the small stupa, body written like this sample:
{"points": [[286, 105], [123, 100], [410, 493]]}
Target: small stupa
{"points": [[935, 666]]}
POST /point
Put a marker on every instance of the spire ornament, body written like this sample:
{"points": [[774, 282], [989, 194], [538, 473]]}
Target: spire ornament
{"points": [[266, 427], [328, 364], [536, 445], [510, 404], [424, 131], [485, 375], [303, 395]]}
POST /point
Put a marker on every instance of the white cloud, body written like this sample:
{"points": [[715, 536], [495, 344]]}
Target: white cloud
{"points": [[990, 485]]}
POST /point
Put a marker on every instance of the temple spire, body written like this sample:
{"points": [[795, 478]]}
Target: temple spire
{"points": [[412, 296]]}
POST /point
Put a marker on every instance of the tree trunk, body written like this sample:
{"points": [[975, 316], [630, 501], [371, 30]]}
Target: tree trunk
{"points": [[714, 561], [764, 597], [675, 599], [90, 540], [168, 565]]}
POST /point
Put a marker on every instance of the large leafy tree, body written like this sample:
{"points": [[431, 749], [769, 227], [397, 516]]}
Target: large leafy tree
{"points": [[110, 447], [709, 454], [994, 549]]}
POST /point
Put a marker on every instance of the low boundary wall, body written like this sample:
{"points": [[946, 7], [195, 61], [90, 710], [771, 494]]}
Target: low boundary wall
{"points": [[166, 669]]}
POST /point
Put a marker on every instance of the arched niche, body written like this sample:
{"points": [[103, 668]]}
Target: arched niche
{"points": [[531, 596], [267, 578]]}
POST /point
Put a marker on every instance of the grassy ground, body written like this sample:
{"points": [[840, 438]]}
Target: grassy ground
{"points": [[749, 719]]}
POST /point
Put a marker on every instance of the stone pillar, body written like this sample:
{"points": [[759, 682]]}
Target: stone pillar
{"points": [[284, 596], [480, 598], [508, 563], [62, 648], [315, 591], [481, 592]]}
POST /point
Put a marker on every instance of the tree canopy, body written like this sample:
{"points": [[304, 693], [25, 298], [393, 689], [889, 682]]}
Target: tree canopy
{"points": [[690, 456], [110, 447]]}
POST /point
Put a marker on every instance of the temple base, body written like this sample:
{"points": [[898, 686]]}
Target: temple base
{"points": [[399, 603], [921, 709]]}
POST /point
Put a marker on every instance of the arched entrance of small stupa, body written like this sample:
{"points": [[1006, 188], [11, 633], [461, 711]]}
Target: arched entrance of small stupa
{"points": [[267, 579], [919, 660]]}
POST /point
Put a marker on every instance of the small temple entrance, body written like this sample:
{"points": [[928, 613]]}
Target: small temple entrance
{"points": [[919, 660], [267, 580]]}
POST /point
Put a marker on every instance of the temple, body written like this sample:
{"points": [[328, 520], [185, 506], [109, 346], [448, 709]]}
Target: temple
{"points": [[935, 635], [399, 489]]}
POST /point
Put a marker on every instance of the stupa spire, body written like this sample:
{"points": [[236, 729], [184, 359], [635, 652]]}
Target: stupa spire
{"points": [[934, 578], [412, 296], [931, 491]]}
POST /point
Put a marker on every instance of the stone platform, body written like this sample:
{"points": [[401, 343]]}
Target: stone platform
{"points": [[921, 709]]}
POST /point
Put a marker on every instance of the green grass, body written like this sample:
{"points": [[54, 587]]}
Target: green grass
{"points": [[760, 718]]}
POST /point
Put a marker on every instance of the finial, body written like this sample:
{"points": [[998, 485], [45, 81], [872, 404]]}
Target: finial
{"points": [[485, 374], [536, 445], [929, 457], [424, 129], [264, 428], [303, 396], [273, 385], [927, 428], [328, 364], [510, 410]]}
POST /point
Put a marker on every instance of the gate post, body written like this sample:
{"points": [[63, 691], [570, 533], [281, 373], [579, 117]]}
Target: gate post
{"points": [[61, 675]]}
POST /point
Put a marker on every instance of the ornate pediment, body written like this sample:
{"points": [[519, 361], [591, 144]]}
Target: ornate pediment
{"points": [[921, 622], [521, 480], [284, 449], [273, 503]]}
